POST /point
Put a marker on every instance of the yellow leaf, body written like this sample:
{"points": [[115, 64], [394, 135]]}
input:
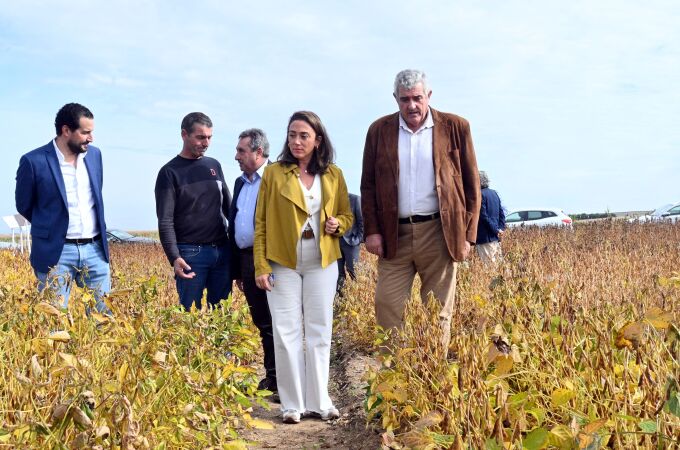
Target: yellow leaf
{"points": [[629, 335], [562, 396], [428, 420], [261, 424], [383, 387], [119, 293], [492, 353], [592, 427], [618, 370], [41, 346], [659, 319], [560, 436], [159, 357], [584, 440], [408, 411], [235, 445], [60, 336], [400, 395], [46, 308], [122, 372], [69, 360], [111, 386], [503, 364]]}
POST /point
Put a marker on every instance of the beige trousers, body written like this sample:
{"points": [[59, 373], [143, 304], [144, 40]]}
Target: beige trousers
{"points": [[490, 253], [422, 250]]}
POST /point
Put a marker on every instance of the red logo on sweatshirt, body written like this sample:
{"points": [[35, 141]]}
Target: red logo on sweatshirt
{"points": [[213, 173]]}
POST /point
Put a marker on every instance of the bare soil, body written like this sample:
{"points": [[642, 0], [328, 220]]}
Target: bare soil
{"points": [[349, 432]]}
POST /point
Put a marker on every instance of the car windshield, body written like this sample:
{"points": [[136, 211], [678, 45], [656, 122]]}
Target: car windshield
{"points": [[121, 234], [661, 209]]}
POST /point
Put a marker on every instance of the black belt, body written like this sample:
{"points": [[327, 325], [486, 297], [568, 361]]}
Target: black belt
{"points": [[417, 219], [82, 241], [206, 244], [246, 250]]}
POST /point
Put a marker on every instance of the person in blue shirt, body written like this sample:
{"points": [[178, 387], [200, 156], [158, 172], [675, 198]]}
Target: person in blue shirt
{"points": [[491, 223], [252, 153]]}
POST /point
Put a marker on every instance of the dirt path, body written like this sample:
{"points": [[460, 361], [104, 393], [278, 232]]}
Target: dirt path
{"points": [[347, 432]]}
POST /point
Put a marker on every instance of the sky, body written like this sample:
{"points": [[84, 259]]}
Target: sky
{"points": [[571, 104]]}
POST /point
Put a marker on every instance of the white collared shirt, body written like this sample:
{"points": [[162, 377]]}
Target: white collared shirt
{"points": [[417, 191], [82, 219]]}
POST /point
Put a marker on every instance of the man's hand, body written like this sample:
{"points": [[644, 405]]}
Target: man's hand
{"points": [[466, 249], [500, 234], [182, 269], [374, 244], [239, 284]]}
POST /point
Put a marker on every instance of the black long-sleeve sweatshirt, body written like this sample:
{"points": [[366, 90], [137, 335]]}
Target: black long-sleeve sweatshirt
{"points": [[192, 203]]}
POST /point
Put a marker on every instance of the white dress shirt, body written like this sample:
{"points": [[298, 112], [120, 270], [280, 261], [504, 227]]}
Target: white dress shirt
{"points": [[417, 192], [82, 219]]}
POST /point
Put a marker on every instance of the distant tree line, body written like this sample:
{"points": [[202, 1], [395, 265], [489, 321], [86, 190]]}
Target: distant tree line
{"points": [[585, 216]]}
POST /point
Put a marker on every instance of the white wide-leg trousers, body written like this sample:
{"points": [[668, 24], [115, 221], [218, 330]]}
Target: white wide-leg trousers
{"points": [[301, 305]]}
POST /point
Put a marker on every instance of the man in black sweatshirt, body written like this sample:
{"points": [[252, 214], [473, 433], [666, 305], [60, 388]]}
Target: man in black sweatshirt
{"points": [[192, 205]]}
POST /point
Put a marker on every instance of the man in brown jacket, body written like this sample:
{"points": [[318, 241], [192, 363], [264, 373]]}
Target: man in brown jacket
{"points": [[420, 201]]}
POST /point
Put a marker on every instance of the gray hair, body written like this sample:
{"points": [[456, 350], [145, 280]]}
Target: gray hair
{"points": [[408, 79], [257, 139], [483, 179]]}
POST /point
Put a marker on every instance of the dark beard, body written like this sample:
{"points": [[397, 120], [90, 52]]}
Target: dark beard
{"points": [[75, 148]]}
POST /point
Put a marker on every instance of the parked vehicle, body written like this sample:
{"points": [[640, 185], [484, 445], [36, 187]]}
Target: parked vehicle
{"points": [[660, 213], [540, 217], [672, 214], [127, 238]]}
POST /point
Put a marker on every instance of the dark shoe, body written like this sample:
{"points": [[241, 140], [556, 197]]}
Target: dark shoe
{"points": [[268, 384]]}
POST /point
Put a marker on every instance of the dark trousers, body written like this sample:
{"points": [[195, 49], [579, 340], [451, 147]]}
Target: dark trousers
{"points": [[259, 310], [350, 255]]}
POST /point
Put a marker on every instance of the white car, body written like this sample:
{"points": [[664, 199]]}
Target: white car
{"points": [[540, 217], [660, 213], [672, 214]]}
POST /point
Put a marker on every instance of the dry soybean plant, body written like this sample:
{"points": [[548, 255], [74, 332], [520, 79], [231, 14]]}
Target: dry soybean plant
{"points": [[571, 342], [154, 377]]}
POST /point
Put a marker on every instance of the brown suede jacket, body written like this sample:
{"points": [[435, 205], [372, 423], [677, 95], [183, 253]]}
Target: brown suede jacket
{"points": [[456, 178]]}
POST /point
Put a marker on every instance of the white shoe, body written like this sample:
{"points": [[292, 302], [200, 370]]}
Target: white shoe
{"points": [[330, 414], [291, 416]]}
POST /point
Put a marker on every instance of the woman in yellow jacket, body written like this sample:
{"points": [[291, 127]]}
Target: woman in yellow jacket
{"points": [[302, 210]]}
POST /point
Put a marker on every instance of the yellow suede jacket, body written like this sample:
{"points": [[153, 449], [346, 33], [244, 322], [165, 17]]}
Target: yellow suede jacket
{"points": [[281, 212]]}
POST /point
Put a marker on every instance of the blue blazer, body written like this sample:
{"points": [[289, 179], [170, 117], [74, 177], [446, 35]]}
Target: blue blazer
{"points": [[41, 198], [491, 217], [355, 235], [235, 266]]}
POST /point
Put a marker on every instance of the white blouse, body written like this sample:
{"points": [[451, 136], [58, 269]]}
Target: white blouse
{"points": [[313, 202]]}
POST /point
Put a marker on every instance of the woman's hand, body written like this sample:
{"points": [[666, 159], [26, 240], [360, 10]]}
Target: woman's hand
{"points": [[262, 281], [332, 225]]}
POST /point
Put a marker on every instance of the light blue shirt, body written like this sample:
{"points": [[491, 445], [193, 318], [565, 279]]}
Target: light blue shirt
{"points": [[244, 227]]}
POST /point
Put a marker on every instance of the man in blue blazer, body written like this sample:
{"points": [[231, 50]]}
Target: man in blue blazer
{"points": [[59, 190], [252, 154], [350, 244], [491, 223]]}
